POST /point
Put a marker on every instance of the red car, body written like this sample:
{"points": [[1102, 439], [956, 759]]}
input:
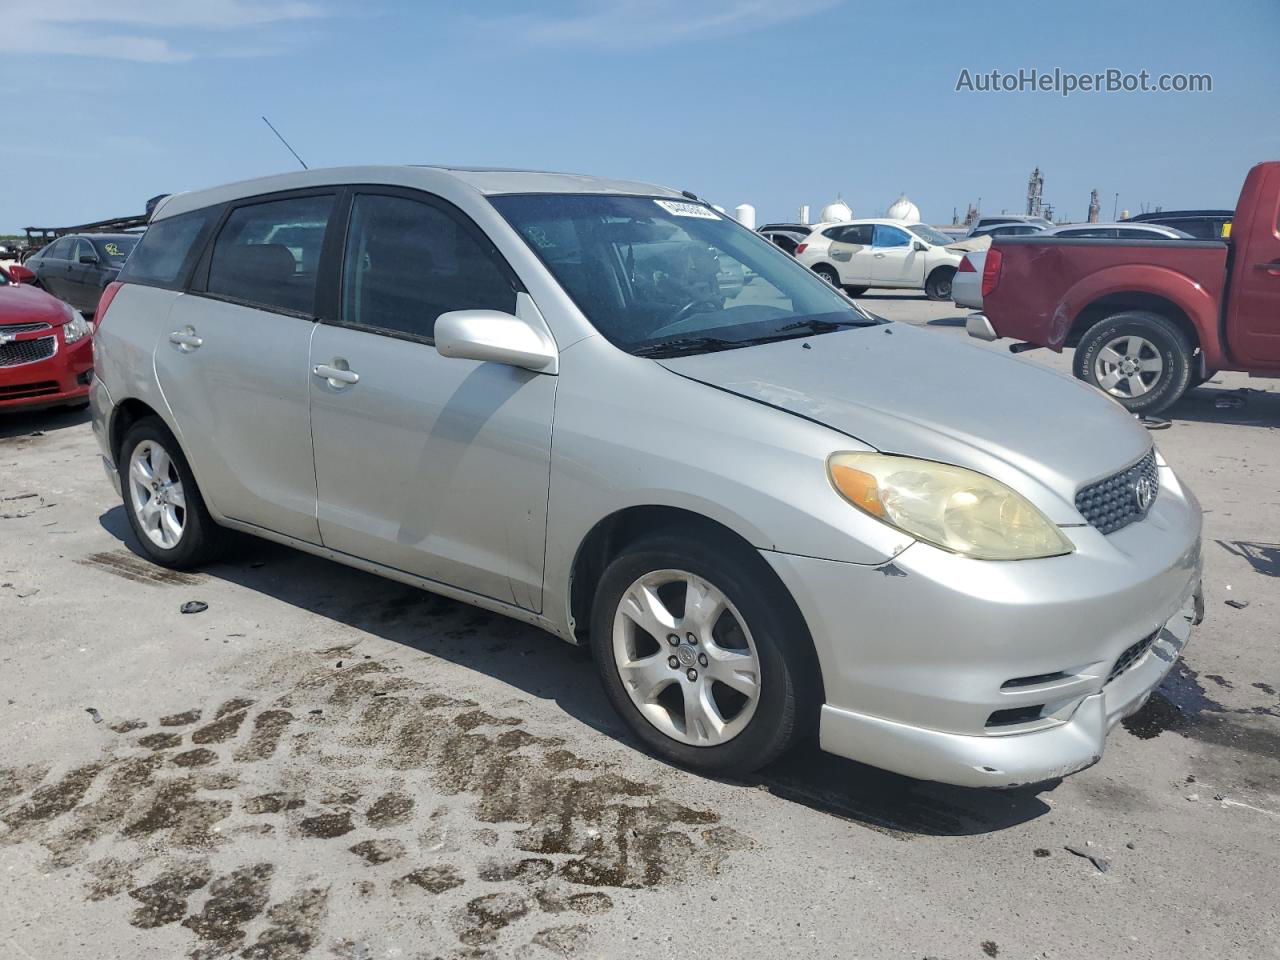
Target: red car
{"points": [[46, 348]]}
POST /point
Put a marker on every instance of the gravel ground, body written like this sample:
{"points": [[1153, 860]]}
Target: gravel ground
{"points": [[326, 764]]}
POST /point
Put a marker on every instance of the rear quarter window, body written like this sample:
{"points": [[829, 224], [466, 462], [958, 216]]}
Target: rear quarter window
{"points": [[166, 252]]}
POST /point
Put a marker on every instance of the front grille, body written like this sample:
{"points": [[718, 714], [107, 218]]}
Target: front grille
{"points": [[1113, 503], [22, 391], [1132, 654], [14, 329], [26, 351]]}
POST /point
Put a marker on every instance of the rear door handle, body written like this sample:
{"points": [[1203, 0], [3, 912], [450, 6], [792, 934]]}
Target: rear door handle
{"points": [[338, 377], [185, 339], [1272, 267]]}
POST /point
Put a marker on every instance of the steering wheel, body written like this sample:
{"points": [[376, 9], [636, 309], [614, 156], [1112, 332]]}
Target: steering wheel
{"points": [[688, 309]]}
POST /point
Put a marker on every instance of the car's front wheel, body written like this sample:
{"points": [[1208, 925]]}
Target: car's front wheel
{"points": [[938, 285], [163, 503], [703, 654]]}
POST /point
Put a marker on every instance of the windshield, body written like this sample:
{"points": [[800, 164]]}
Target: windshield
{"points": [[658, 276], [116, 250], [930, 235]]}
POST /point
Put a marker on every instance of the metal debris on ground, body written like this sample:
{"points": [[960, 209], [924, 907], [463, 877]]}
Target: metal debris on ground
{"points": [[93, 712], [1238, 604], [194, 606], [1155, 423], [1102, 865]]}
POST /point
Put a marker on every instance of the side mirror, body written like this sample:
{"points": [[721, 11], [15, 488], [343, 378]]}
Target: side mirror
{"points": [[495, 337], [21, 274], [919, 246], [87, 258]]}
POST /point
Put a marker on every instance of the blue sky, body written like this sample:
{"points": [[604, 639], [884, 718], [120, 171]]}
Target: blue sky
{"points": [[768, 102]]}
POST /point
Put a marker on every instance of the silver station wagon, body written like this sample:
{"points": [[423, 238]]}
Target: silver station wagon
{"points": [[605, 409]]}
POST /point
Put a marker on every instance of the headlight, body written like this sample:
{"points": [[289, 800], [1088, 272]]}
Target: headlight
{"points": [[950, 507], [77, 328]]}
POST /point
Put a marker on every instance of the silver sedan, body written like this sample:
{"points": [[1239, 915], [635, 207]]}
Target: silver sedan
{"points": [[767, 513]]}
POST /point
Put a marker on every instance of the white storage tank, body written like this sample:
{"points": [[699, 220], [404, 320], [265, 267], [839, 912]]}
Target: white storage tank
{"points": [[836, 210], [745, 214], [903, 209]]}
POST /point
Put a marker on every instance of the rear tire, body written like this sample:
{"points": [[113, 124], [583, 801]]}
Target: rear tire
{"points": [[757, 632], [938, 285], [856, 291], [829, 274], [165, 508], [1142, 359]]}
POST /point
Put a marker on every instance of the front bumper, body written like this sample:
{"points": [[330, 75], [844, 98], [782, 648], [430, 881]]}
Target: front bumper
{"points": [[61, 379], [997, 674]]}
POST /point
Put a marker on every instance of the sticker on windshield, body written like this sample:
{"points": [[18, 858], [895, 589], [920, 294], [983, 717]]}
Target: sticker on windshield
{"points": [[679, 209]]}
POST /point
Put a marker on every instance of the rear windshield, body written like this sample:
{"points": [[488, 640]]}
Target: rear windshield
{"points": [[115, 252], [164, 255], [659, 277]]}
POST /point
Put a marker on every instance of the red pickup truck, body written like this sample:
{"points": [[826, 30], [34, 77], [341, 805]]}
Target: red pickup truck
{"points": [[1148, 318]]}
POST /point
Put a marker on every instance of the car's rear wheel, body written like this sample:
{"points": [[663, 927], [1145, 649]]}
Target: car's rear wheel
{"points": [[856, 291], [938, 284], [1140, 358], [163, 503], [703, 653], [828, 273]]}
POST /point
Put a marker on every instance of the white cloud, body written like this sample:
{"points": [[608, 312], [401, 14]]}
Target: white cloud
{"points": [[630, 23], [150, 31]]}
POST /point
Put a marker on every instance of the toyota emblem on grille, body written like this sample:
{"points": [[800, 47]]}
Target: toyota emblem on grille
{"points": [[1144, 491]]}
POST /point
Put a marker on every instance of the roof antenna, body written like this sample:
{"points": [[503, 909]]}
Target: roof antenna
{"points": [[286, 143]]}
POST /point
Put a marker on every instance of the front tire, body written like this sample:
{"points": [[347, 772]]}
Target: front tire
{"points": [[703, 653], [164, 506], [938, 285], [1140, 358]]}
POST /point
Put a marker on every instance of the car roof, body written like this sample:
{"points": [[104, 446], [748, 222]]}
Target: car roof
{"points": [[486, 181], [1122, 225], [1182, 215], [887, 221]]}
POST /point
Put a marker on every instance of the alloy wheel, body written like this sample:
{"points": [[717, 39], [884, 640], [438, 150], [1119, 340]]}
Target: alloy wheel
{"points": [[1128, 366], [686, 658], [156, 494]]}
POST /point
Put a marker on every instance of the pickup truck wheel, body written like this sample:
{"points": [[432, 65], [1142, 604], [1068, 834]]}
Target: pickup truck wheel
{"points": [[1140, 358], [828, 274], [701, 651], [938, 286]]}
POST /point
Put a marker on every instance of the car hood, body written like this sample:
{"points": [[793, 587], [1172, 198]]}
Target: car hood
{"points": [[920, 394], [22, 303]]}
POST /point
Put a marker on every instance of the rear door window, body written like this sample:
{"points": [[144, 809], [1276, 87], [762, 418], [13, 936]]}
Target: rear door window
{"points": [[61, 250], [268, 254], [408, 261], [166, 252]]}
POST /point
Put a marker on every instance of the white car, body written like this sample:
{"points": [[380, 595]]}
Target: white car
{"points": [[966, 287], [858, 254]]}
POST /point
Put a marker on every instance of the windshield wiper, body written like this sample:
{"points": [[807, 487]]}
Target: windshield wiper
{"points": [[820, 325], [672, 348]]}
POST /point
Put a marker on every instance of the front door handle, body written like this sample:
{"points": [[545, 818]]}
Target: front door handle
{"points": [[185, 339], [338, 377], [1273, 267], [878, 256]]}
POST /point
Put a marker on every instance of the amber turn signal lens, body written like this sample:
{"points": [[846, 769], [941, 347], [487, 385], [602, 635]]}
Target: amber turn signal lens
{"points": [[859, 488]]}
